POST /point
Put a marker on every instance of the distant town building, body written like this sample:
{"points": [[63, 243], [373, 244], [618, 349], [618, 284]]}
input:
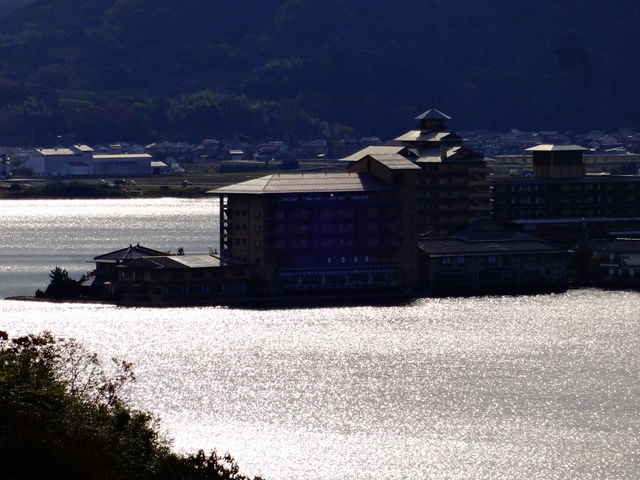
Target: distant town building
{"points": [[271, 151], [122, 164], [82, 160], [54, 162]]}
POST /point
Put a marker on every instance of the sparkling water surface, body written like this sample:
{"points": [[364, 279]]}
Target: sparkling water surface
{"points": [[530, 387]]}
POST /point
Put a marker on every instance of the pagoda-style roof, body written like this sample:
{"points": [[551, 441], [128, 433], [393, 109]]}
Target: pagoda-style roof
{"points": [[433, 114], [373, 150], [422, 136], [394, 162]]}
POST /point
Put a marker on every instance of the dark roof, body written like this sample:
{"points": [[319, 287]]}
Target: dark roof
{"points": [[458, 246], [586, 179], [486, 237], [307, 182], [433, 113], [131, 251], [623, 245]]}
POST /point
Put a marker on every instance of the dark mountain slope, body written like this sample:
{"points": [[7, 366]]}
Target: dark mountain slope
{"points": [[285, 64]]}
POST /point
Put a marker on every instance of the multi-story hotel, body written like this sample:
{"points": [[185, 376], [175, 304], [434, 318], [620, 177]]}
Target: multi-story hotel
{"points": [[323, 231], [452, 187]]}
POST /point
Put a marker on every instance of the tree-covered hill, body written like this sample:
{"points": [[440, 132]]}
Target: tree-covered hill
{"points": [[143, 69]]}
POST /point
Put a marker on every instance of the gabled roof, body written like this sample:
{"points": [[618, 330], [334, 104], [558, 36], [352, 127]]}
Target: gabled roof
{"points": [[433, 114], [463, 153], [131, 251], [306, 182], [177, 262], [373, 150], [395, 162]]}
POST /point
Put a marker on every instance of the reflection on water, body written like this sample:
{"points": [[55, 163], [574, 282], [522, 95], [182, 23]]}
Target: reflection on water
{"points": [[482, 388], [536, 387], [37, 235]]}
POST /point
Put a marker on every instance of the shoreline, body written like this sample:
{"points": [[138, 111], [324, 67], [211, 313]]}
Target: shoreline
{"points": [[259, 303], [291, 301]]}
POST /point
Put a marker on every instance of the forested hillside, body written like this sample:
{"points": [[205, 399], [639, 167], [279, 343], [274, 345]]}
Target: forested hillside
{"points": [[187, 69]]}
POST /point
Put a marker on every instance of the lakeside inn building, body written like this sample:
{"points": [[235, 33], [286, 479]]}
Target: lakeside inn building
{"points": [[379, 227], [409, 218]]}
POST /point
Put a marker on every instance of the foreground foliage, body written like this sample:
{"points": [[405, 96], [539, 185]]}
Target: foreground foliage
{"points": [[62, 415]]}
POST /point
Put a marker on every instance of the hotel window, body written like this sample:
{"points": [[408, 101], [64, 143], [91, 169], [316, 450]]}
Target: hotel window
{"points": [[446, 260], [462, 260], [492, 259]]}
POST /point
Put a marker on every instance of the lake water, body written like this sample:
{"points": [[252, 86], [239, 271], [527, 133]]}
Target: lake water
{"points": [[531, 387]]}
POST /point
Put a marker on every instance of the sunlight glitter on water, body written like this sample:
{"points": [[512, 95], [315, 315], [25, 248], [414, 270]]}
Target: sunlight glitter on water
{"points": [[538, 387], [494, 387]]}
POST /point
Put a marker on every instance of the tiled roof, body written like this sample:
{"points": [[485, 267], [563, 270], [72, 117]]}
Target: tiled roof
{"points": [[433, 114], [420, 136], [307, 182], [395, 162], [373, 150], [131, 251], [183, 261]]}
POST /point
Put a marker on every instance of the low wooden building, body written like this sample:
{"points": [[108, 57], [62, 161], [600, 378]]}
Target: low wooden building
{"points": [[620, 263], [485, 258], [138, 273]]}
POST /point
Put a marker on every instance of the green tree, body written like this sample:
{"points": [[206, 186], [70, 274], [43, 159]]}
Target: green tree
{"points": [[62, 285], [61, 415]]}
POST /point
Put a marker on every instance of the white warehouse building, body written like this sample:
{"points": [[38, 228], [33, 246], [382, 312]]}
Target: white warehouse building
{"points": [[82, 160]]}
